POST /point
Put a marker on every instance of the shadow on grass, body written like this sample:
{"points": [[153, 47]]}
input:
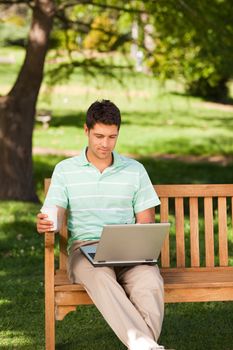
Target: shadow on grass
{"points": [[43, 168], [161, 171], [170, 171], [227, 101], [180, 119], [198, 326], [219, 121], [71, 119], [21, 270], [160, 118]]}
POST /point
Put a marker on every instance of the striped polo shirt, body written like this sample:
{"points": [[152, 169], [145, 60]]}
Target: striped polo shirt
{"points": [[95, 199]]}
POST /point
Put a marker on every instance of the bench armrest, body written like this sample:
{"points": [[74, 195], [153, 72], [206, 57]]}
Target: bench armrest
{"points": [[49, 241], [49, 238]]}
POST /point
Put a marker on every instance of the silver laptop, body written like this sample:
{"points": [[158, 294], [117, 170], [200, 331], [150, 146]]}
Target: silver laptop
{"points": [[129, 244]]}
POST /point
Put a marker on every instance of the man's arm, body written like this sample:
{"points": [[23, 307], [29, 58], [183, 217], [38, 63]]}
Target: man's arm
{"points": [[146, 216]]}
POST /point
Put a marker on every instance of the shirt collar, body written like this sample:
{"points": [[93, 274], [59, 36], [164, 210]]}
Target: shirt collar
{"points": [[82, 159], [117, 160]]}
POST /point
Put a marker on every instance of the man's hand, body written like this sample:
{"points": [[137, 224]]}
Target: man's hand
{"points": [[42, 224]]}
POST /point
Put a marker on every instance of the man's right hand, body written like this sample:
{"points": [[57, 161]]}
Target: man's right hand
{"points": [[42, 223]]}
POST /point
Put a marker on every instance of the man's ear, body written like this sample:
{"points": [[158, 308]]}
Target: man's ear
{"points": [[86, 130]]}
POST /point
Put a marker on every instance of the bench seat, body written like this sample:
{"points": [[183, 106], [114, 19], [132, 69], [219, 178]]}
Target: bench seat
{"points": [[181, 285]]}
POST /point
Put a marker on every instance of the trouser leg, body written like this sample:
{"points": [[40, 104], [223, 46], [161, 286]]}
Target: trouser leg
{"points": [[111, 300], [144, 286]]}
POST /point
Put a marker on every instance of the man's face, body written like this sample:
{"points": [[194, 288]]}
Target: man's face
{"points": [[101, 140]]}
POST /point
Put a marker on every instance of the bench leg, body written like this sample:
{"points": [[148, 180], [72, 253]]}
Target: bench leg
{"points": [[49, 323], [49, 293]]}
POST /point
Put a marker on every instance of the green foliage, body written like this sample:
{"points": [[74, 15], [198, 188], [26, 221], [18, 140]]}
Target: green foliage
{"points": [[194, 41], [83, 35], [101, 37], [63, 40]]}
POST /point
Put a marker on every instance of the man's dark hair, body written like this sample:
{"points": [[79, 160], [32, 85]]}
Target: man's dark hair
{"points": [[105, 112]]}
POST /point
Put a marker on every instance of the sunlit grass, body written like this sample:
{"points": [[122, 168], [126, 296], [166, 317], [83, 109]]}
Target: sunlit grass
{"points": [[157, 125], [156, 119]]}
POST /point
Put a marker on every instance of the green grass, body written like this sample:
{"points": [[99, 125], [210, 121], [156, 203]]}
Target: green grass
{"points": [[155, 121], [148, 126]]}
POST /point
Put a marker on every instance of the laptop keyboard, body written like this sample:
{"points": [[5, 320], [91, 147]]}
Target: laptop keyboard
{"points": [[92, 255]]}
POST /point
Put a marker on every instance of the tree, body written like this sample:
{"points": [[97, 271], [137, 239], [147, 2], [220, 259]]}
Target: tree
{"points": [[17, 108]]}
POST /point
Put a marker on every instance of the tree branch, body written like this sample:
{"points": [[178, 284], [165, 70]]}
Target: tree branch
{"points": [[89, 66], [104, 6], [16, 2], [85, 28]]}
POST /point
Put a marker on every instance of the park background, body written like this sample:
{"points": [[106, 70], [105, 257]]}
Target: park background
{"points": [[168, 66]]}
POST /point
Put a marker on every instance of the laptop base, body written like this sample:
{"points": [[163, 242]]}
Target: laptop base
{"points": [[90, 257]]}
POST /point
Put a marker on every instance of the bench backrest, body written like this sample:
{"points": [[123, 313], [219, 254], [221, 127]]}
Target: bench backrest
{"points": [[202, 229]]}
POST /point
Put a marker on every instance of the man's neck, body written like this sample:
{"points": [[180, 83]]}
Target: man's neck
{"points": [[100, 164]]}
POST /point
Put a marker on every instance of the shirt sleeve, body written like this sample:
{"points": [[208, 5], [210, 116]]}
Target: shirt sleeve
{"points": [[57, 193], [145, 196]]}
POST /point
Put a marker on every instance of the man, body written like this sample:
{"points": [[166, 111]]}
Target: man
{"points": [[101, 187]]}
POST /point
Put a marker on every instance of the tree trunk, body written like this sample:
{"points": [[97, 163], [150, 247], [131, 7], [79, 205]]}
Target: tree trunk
{"points": [[17, 111]]}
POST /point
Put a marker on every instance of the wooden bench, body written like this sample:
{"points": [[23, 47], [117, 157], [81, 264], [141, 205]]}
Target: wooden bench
{"points": [[195, 262]]}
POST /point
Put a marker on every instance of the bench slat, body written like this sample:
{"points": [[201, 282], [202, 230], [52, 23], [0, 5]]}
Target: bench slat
{"points": [[175, 278], [194, 232], [209, 190], [209, 231], [180, 244], [192, 279], [222, 228], [165, 255], [70, 298]]}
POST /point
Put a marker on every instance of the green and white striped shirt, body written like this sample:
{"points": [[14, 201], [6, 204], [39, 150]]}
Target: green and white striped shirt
{"points": [[95, 199]]}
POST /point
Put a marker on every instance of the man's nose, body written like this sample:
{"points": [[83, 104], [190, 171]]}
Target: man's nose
{"points": [[105, 142]]}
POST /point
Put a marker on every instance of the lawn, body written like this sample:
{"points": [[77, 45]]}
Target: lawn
{"points": [[156, 119], [152, 123], [157, 122]]}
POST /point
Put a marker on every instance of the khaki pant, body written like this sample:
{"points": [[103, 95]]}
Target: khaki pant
{"points": [[131, 299]]}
